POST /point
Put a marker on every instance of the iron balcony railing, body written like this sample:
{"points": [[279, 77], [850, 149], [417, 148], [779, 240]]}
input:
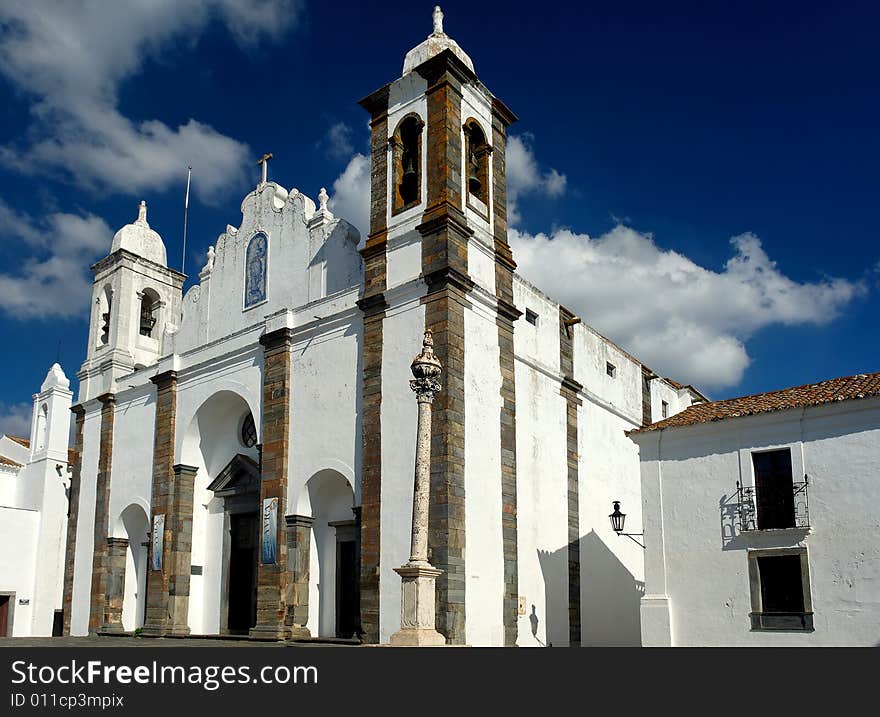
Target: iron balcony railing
{"points": [[768, 508]]}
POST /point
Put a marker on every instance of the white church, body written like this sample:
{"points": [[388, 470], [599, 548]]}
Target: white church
{"points": [[243, 458]]}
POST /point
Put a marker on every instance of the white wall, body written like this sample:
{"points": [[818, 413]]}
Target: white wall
{"points": [[19, 527], [699, 568]]}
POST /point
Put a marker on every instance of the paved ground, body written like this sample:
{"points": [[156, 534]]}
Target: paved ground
{"points": [[106, 641]]}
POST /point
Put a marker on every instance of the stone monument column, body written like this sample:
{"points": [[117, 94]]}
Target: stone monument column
{"points": [[417, 618]]}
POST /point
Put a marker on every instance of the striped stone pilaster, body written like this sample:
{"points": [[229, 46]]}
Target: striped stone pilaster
{"points": [[299, 537], [100, 555], [445, 235], [569, 391], [179, 556], [373, 306], [73, 515], [272, 578], [116, 553], [507, 314], [158, 612]]}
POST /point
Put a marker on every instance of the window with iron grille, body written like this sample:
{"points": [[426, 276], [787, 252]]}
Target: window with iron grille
{"points": [[775, 500]]}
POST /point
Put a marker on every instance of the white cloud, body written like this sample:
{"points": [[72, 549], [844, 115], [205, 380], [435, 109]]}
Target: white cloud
{"points": [[351, 193], [71, 61], [54, 280], [524, 175], [682, 319], [15, 419], [336, 143]]}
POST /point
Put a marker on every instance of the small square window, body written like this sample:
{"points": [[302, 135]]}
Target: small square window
{"points": [[610, 369], [664, 409], [780, 589], [531, 317]]}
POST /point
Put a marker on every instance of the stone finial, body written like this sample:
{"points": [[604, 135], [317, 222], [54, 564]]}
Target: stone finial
{"points": [[55, 378], [438, 20], [142, 213], [211, 254], [323, 198], [426, 368]]}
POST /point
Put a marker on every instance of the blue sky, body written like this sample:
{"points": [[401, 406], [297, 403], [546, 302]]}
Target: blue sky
{"points": [[697, 180]]}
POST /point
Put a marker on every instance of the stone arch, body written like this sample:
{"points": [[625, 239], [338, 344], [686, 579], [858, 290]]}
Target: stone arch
{"points": [[211, 444], [328, 498], [148, 312], [476, 161], [406, 164], [134, 525]]}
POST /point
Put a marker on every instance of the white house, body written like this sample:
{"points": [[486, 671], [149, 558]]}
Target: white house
{"points": [[33, 515], [246, 450], [760, 519]]}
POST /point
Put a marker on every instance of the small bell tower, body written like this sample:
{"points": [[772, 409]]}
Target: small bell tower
{"points": [[136, 306]]}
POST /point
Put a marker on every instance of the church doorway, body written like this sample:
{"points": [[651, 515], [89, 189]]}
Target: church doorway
{"points": [[242, 585], [238, 485], [347, 601]]}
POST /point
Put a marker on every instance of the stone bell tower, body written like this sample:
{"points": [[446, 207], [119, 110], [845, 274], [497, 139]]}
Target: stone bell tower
{"points": [[438, 239], [136, 306]]}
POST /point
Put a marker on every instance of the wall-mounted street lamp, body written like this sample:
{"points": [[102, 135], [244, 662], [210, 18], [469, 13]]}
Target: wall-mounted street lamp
{"points": [[617, 520]]}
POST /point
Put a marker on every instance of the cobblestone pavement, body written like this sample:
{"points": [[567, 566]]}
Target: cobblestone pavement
{"points": [[126, 641]]}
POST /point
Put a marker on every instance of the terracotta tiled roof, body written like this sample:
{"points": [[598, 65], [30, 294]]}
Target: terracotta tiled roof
{"points": [[811, 394], [21, 441], [8, 462]]}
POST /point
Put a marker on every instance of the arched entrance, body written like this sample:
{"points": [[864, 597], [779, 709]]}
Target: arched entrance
{"points": [[221, 442], [333, 584], [137, 531]]}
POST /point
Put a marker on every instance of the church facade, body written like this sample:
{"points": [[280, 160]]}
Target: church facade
{"points": [[244, 451]]}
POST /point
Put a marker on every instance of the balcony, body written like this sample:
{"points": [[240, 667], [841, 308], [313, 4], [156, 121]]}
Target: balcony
{"points": [[773, 508]]}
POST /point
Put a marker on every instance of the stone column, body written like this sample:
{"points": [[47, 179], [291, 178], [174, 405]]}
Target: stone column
{"points": [[157, 611], [179, 556], [100, 566], [299, 536], [73, 515], [116, 550], [418, 576], [272, 577]]}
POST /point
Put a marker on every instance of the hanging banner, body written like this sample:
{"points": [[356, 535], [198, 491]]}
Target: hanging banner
{"points": [[158, 540], [269, 542]]}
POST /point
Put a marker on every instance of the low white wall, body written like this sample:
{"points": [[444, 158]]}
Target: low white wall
{"points": [[18, 560]]}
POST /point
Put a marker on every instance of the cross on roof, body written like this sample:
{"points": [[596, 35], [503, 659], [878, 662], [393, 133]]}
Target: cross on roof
{"points": [[264, 160]]}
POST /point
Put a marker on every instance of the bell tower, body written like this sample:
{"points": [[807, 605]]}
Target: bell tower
{"points": [[437, 257], [136, 307]]}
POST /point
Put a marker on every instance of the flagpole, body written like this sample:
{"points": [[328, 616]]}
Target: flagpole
{"points": [[185, 213]]}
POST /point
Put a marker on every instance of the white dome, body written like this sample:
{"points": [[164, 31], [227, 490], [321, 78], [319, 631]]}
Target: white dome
{"points": [[437, 42], [139, 239], [55, 377]]}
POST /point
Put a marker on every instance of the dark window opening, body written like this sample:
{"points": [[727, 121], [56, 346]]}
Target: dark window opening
{"points": [[407, 147], [664, 409], [774, 489], [149, 304], [610, 369], [249, 431], [477, 162], [783, 602], [105, 323], [531, 317]]}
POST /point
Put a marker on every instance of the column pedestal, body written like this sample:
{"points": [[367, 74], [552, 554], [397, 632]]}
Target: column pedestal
{"points": [[116, 549], [417, 618]]}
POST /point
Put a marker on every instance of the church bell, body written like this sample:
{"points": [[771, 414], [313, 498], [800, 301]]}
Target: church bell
{"points": [[474, 183]]}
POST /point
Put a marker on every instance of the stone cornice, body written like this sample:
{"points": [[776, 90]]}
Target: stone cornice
{"points": [[445, 63], [507, 310], [124, 254], [502, 112], [376, 103], [179, 468], [78, 409], [372, 304], [164, 379], [277, 338], [107, 399], [447, 276], [569, 384], [298, 521], [375, 245], [444, 216]]}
